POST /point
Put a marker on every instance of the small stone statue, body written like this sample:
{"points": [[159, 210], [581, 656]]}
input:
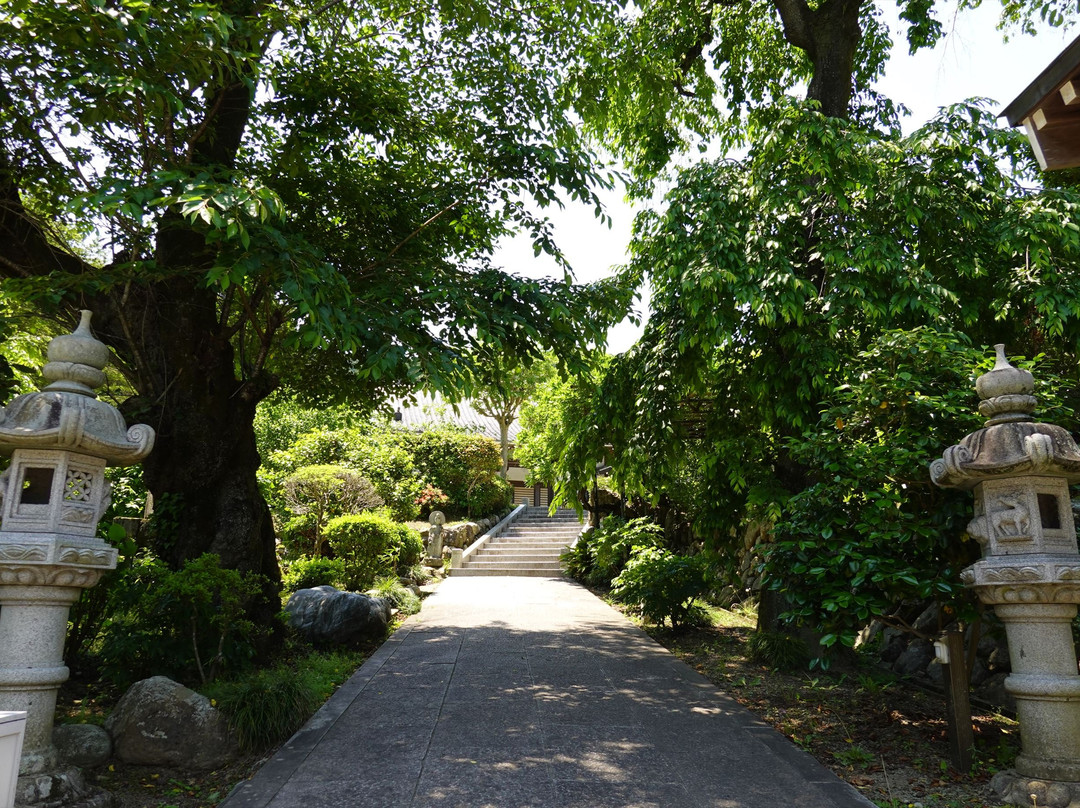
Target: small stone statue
{"points": [[435, 541]]}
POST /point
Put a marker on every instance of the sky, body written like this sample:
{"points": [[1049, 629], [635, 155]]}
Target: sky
{"points": [[971, 60]]}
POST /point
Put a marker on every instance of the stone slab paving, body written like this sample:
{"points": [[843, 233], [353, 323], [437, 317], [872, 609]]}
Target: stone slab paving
{"points": [[514, 692]]}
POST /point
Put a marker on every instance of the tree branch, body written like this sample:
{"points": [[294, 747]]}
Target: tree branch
{"points": [[797, 18]]}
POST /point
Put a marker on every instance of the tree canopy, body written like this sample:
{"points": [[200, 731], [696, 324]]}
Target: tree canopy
{"points": [[252, 193], [780, 277]]}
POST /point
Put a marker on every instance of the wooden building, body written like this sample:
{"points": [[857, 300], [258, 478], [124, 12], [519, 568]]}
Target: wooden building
{"points": [[1049, 110]]}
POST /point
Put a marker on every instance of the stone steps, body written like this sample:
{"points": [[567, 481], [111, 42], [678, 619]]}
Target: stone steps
{"points": [[531, 546]]}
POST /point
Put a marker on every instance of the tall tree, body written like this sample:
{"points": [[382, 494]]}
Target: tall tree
{"points": [[506, 385], [286, 192], [770, 272]]}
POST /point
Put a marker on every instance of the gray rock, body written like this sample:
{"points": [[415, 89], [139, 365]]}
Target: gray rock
{"points": [[927, 622], [159, 722], [915, 659], [327, 615], [892, 647], [993, 690], [936, 674], [979, 673], [83, 745]]}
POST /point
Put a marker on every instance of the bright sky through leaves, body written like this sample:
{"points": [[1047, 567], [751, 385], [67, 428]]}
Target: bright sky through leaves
{"points": [[970, 61]]}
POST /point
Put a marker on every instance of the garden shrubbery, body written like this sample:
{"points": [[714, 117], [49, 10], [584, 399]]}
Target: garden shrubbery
{"points": [[630, 557], [308, 573], [188, 624], [370, 545]]}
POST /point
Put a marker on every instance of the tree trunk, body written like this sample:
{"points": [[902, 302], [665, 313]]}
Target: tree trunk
{"points": [[835, 32], [202, 472], [830, 35], [504, 441]]}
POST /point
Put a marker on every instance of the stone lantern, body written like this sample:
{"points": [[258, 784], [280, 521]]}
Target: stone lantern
{"points": [[52, 496], [1020, 472]]}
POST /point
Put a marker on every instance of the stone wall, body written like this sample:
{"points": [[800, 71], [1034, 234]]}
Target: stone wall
{"points": [[462, 534]]}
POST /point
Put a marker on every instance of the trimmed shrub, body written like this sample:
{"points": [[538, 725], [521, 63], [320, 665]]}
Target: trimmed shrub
{"points": [[489, 496], [316, 494], [187, 624], [370, 545], [307, 573], [662, 585]]}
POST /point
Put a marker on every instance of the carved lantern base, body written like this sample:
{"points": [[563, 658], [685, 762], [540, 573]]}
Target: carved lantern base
{"points": [[1018, 789]]}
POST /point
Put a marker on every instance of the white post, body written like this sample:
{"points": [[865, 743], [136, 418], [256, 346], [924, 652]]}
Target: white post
{"points": [[12, 727]]}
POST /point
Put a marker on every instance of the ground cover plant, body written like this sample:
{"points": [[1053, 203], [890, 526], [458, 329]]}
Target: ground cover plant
{"points": [[265, 707]]}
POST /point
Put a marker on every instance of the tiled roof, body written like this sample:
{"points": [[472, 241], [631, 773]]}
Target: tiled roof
{"points": [[433, 411]]}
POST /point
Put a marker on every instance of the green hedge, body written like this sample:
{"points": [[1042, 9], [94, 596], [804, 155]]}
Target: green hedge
{"points": [[370, 545]]}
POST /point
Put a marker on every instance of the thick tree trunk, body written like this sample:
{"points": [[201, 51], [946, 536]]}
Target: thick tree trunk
{"points": [[835, 32], [202, 472], [830, 35]]}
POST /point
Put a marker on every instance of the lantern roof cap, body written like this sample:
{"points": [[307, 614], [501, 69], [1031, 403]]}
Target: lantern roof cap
{"points": [[66, 414], [1012, 443]]}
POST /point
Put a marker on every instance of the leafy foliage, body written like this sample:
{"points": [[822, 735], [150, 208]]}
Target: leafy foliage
{"points": [[188, 624], [303, 195], [506, 387], [321, 493], [777, 650], [400, 596], [600, 555], [662, 585], [872, 530], [268, 705], [371, 545], [308, 573]]}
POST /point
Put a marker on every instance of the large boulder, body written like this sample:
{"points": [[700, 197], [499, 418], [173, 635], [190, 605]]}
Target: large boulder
{"points": [[159, 722], [83, 745], [325, 615]]}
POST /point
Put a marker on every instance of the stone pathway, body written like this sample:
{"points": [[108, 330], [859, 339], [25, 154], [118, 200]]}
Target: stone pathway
{"points": [[513, 692]]}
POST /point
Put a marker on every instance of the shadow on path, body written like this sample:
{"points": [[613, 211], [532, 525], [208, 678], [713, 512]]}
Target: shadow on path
{"points": [[514, 692]]}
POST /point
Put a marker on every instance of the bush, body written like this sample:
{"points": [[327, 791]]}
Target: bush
{"points": [[490, 496], [183, 624], [267, 706], [389, 465], [370, 545], [307, 573], [455, 462], [661, 585], [400, 597], [316, 494], [613, 542], [777, 650], [431, 499], [577, 561]]}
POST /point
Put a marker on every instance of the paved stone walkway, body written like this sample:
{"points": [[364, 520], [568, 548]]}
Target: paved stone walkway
{"points": [[513, 692]]}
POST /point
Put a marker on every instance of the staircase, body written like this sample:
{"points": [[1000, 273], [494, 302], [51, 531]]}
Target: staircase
{"points": [[530, 546]]}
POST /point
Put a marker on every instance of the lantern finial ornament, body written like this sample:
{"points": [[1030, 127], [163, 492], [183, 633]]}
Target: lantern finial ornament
{"points": [[76, 361], [1006, 392]]}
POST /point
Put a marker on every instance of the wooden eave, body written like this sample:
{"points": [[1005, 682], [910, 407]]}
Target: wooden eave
{"points": [[1049, 109]]}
